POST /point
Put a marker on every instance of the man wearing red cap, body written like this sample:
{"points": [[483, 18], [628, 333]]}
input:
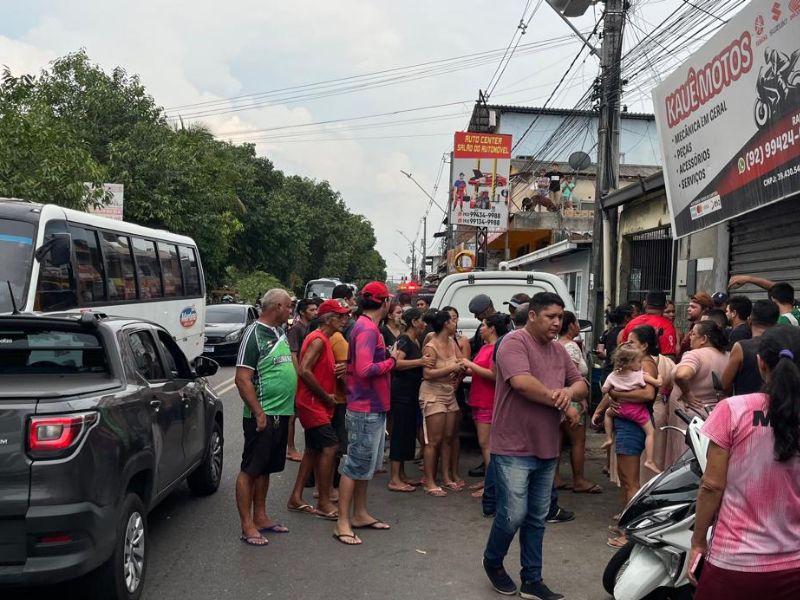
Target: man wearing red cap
{"points": [[315, 402], [369, 368]]}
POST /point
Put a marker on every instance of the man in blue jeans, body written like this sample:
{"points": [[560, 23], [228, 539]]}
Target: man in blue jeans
{"points": [[536, 381]]}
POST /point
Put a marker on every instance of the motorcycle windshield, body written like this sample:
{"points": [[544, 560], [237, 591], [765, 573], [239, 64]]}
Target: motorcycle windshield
{"points": [[678, 484]]}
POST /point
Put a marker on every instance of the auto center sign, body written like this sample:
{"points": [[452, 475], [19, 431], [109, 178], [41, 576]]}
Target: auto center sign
{"points": [[729, 119], [479, 186]]}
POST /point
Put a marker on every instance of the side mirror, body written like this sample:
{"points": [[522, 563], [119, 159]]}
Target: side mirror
{"points": [[58, 246], [205, 367], [585, 325]]}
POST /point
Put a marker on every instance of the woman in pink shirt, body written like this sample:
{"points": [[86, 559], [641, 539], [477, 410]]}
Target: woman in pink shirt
{"points": [[753, 479], [481, 393]]}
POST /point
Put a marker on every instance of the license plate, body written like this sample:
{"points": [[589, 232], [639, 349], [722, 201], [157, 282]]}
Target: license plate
{"points": [[208, 349]]}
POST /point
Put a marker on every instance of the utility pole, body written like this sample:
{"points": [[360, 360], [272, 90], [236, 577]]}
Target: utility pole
{"points": [[603, 230], [424, 248]]}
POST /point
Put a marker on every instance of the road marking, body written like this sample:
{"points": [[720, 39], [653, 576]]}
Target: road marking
{"points": [[225, 387]]}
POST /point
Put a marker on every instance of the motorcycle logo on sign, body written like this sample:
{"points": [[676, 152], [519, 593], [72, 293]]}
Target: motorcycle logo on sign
{"points": [[188, 317], [777, 86]]}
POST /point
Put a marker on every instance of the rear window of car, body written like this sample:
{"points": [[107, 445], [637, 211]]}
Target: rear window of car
{"points": [[36, 350], [498, 291]]}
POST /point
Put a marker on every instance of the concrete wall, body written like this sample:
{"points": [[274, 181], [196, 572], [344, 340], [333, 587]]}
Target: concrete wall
{"points": [[557, 265], [638, 140]]}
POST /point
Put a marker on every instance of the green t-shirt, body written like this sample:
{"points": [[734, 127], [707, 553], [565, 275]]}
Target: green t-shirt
{"points": [[786, 319], [265, 350]]}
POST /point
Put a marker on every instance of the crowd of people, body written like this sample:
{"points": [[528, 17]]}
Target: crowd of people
{"points": [[358, 371]]}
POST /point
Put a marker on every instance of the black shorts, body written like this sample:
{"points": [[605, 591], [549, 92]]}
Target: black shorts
{"points": [[264, 451], [319, 438]]}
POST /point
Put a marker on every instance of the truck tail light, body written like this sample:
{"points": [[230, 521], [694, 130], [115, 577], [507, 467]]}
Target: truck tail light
{"points": [[52, 436]]}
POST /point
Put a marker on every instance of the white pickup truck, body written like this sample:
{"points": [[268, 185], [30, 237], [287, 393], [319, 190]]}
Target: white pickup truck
{"points": [[458, 289]]}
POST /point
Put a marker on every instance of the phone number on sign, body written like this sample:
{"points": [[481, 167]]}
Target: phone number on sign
{"points": [[777, 145]]}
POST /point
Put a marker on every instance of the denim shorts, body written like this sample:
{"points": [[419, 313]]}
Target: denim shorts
{"points": [[628, 437], [366, 435]]}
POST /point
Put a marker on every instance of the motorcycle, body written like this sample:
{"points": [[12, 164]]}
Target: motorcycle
{"points": [[658, 523], [775, 85]]}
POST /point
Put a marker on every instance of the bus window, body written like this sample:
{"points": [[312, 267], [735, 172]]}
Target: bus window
{"points": [[120, 275], [147, 268], [191, 275], [56, 287], [171, 268], [91, 287]]}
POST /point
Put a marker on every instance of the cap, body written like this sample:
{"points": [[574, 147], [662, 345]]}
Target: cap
{"points": [[518, 299], [376, 290], [719, 298], [333, 306], [479, 304]]}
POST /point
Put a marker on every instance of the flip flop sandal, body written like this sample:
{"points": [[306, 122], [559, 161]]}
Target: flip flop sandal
{"points": [[338, 537], [373, 525], [436, 492], [452, 486], [303, 508], [331, 516], [477, 486], [254, 540], [408, 489], [617, 531], [274, 528], [595, 489], [564, 486], [415, 482], [477, 493], [616, 543]]}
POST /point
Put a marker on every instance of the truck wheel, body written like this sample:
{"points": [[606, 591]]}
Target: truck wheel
{"points": [[616, 567], [122, 575], [204, 480]]}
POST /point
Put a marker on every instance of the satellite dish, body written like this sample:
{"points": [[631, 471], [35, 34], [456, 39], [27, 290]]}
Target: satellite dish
{"points": [[580, 161]]}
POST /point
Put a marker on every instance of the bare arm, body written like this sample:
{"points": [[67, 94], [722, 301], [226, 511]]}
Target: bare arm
{"points": [[247, 391], [740, 280], [480, 371], [403, 364], [709, 497], [532, 389], [656, 381], [309, 360], [732, 369]]}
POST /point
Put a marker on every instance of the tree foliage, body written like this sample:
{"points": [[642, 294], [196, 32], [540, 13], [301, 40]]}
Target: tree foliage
{"points": [[75, 123]]}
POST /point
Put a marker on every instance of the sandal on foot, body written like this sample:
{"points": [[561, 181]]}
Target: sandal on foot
{"points": [[477, 493], [436, 492], [340, 537], [376, 524], [406, 488], [452, 486], [254, 540], [329, 516], [274, 528], [303, 508], [593, 489], [617, 542]]}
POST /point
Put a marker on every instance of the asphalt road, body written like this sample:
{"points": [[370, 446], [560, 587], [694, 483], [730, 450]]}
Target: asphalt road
{"points": [[433, 550]]}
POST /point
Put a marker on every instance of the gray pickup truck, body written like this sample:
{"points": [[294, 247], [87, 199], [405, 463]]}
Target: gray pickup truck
{"points": [[100, 419]]}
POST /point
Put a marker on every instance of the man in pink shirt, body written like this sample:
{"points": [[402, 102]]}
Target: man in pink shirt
{"points": [[369, 368], [536, 382]]}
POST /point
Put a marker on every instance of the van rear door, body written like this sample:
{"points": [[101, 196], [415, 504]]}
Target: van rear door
{"points": [[15, 478]]}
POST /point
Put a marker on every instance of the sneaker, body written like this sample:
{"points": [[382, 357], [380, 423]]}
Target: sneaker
{"points": [[479, 471], [561, 516], [537, 591], [500, 580]]}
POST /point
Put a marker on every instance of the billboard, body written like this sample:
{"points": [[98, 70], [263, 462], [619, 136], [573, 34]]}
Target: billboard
{"points": [[479, 190], [729, 119], [115, 207]]}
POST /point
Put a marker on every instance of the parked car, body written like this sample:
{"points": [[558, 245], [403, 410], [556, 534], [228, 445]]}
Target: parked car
{"points": [[100, 419], [225, 325]]}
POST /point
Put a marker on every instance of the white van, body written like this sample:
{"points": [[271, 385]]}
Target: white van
{"points": [[458, 289]]}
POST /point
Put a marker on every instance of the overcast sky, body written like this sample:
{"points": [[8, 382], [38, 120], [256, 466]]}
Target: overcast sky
{"points": [[202, 50]]}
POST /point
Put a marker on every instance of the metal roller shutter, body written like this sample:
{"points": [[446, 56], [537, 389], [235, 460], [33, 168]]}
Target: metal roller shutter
{"points": [[766, 243]]}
